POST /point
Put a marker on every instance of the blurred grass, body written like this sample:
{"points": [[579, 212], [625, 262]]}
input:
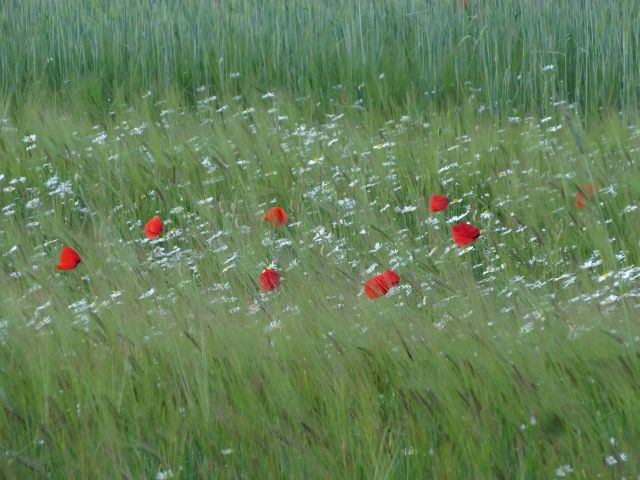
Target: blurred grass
{"points": [[515, 359], [432, 53], [156, 357]]}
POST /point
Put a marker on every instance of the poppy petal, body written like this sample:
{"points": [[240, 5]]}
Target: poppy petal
{"points": [[153, 228], [380, 285], [276, 216], [69, 259], [584, 192], [438, 203], [269, 280], [392, 278], [371, 290], [464, 234]]}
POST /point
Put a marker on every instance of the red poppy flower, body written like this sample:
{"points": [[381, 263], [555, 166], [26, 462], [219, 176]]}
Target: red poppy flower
{"points": [[153, 228], [269, 279], [584, 192], [438, 203], [69, 259], [464, 234], [381, 284], [276, 217]]}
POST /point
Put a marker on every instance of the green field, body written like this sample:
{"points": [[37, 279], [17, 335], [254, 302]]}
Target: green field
{"points": [[515, 357]]}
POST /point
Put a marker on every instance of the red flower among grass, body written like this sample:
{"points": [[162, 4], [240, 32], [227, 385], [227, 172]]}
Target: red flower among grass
{"points": [[69, 259], [438, 203], [464, 234], [585, 192], [381, 284], [269, 279], [276, 217], [153, 228]]}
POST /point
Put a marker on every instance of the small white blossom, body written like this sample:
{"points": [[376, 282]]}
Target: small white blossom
{"points": [[563, 470]]}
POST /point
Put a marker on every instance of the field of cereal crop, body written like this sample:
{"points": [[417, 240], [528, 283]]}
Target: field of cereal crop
{"points": [[217, 342]]}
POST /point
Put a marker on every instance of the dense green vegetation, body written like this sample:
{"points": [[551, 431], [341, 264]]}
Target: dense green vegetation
{"points": [[516, 356], [517, 54]]}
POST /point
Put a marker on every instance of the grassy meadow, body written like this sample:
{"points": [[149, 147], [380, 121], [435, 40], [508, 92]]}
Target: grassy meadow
{"points": [[514, 357]]}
